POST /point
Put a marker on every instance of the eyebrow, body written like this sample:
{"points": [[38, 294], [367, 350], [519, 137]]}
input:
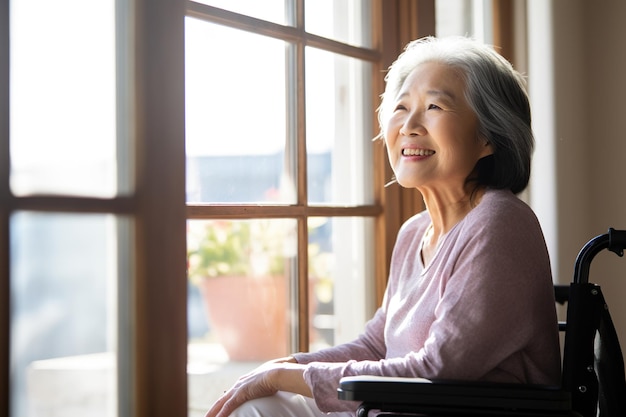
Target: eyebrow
{"points": [[445, 94], [441, 93]]}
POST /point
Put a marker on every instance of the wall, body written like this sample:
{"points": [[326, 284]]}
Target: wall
{"points": [[605, 33], [577, 63]]}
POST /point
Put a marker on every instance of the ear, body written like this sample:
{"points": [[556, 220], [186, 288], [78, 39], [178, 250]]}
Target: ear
{"points": [[487, 147]]}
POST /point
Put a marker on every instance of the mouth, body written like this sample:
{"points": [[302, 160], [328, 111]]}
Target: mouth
{"points": [[417, 152]]}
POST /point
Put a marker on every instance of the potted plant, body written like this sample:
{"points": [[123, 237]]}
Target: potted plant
{"points": [[239, 268]]}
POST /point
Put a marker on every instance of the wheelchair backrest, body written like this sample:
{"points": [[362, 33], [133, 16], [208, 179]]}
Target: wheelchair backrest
{"points": [[593, 364]]}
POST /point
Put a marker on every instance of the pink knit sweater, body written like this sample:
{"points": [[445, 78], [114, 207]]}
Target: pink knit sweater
{"points": [[483, 309]]}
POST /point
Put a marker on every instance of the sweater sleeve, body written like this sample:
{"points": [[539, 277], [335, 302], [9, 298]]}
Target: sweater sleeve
{"points": [[368, 346]]}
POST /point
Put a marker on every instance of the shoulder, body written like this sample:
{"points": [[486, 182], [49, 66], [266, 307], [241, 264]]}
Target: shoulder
{"points": [[499, 200], [502, 208], [502, 219]]}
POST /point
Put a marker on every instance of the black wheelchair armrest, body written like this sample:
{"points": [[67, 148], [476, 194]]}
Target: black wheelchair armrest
{"points": [[418, 395]]}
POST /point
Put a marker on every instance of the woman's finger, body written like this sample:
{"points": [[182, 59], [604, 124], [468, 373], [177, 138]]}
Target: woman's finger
{"points": [[215, 409], [231, 404]]}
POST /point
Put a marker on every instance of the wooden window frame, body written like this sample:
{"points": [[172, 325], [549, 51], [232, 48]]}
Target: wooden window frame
{"points": [[5, 293]]}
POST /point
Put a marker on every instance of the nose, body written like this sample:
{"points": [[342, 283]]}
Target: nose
{"points": [[413, 126]]}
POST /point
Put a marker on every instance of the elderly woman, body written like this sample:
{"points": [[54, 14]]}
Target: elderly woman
{"points": [[470, 289]]}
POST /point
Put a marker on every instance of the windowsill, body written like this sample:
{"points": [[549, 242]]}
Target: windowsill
{"points": [[84, 385]]}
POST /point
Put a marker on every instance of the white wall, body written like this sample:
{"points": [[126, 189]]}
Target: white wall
{"points": [[577, 68]]}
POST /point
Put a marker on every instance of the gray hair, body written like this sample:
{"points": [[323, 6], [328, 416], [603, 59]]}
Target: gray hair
{"points": [[495, 91]]}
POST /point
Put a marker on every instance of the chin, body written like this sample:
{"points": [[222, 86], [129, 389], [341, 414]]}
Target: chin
{"points": [[406, 183]]}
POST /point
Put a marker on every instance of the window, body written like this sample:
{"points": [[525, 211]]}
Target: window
{"points": [[92, 231], [95, 209], [280, 184], [465, 17]]}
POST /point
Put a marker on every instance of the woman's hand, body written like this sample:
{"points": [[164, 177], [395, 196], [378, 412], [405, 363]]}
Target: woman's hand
{"points": [[278, 375]]}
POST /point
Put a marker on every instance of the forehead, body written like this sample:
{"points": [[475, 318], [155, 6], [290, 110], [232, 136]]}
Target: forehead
{"points": [[434, 77]]}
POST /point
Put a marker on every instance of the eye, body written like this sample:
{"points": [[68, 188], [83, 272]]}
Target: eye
{"points": [[399, 107], [433, 107]]}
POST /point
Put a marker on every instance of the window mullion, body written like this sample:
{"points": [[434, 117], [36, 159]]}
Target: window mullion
{"points": [[4, 210], [4, 102], [298, 90], [302, 199]]}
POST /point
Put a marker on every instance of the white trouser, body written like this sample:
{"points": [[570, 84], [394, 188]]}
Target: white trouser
{"points": [[284, 404]]}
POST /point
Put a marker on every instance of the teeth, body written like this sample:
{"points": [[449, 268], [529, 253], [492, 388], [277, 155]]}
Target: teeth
{"points": [[417, 152]]}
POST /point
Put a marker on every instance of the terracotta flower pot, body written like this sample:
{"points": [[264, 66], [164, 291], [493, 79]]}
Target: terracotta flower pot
{"points": [[250, 315]]}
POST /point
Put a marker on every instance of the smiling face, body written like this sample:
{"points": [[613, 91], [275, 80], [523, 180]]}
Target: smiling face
{"points": [[432, 134]]}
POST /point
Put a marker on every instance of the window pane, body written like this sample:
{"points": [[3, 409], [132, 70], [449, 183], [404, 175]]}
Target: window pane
{"points": [[63, 97], [235, 116], [347, 21], [239, 308], [338, 129], [453, 17], [341, 279], [63, 315], [271, 10], [464, 18]]}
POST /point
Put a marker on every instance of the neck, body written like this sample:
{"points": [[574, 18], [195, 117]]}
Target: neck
{"points": [[447, 212]]}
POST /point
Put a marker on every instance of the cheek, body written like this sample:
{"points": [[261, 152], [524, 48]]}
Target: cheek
{"points": [[391, 155], [390, 141], [391, 132], [389, 138]]}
